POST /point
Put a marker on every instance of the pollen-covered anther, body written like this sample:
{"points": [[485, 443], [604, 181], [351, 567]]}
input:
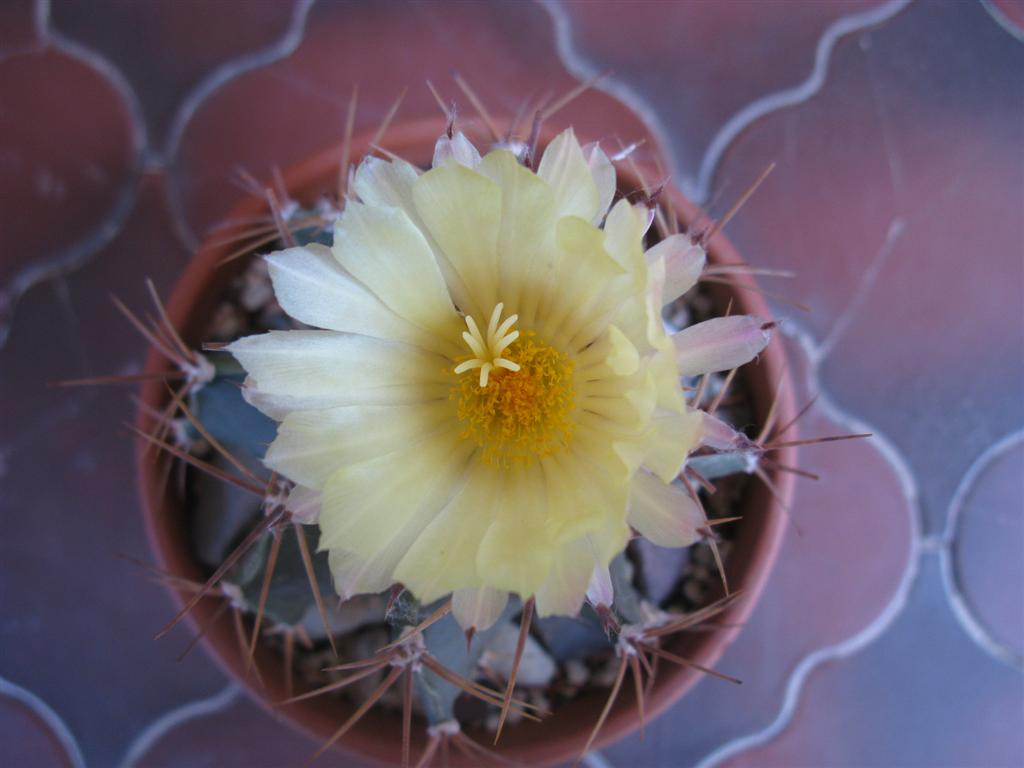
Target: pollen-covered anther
{"points": [[487, 350]]}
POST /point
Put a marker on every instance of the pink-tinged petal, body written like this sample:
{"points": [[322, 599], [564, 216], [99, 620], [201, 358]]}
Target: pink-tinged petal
{"points": [[719, 344], [304, 504], [664, 514], [684, 261], [716, 434], [478, 608], [600, 590], [457, 149], [604, 177]]}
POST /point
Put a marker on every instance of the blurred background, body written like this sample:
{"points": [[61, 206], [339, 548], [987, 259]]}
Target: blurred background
{"points": [[891, 632]]}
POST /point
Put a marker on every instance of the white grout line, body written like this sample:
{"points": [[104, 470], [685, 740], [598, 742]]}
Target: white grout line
{"points": [[699, 188], [167, 722], [596, 760], [877, 626], [225, 73], [962, 610], [45, 713]]}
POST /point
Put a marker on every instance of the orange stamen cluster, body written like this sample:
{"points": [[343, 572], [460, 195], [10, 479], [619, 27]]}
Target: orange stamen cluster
{"points": [[524, 414]]}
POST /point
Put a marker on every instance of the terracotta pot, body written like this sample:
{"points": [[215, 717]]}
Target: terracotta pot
{"points": [[561, 737]]}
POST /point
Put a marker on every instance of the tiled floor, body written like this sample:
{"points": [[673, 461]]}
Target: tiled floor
{"points": [[892, 631]]}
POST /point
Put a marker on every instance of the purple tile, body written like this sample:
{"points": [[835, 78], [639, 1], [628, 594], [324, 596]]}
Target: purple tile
{"points": [[921, 695], [988, 548], [920, 336]]}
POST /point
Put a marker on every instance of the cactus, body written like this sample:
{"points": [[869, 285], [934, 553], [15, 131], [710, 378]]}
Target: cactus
{"points": [[258, 531]]}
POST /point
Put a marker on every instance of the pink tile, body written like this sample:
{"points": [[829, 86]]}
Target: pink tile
{"points": [[843, 560], [285, 111], [173, 44], [66, 166]]}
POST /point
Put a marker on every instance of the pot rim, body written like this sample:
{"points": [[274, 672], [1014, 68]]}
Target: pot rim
{"points": [[561, 737]]}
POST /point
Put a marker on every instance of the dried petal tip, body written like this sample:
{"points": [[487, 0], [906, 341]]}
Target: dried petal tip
{"points": [[720, 436], [600, 591]]}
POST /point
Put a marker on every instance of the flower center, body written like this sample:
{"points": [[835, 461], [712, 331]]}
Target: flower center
{"points": [[518, 408]]}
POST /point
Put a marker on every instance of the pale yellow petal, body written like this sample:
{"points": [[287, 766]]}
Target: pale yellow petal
{"points": [[526, 235], [675, 435], [462, 211], [389, 183], [521, 546], [366, 505], [662, 513], [628, 401], [563, 591], [311, 445], [385, 182], [623, 239], [567, 171], [613, 354], [355, 574], [478, 608], [623, 300], [311, 286], [603, 171], [315, 370], [382, 249], [579, 285], [444, 556]]}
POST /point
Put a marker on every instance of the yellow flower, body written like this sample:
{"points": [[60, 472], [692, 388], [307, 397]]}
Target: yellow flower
{"points": [[492, 401]]}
